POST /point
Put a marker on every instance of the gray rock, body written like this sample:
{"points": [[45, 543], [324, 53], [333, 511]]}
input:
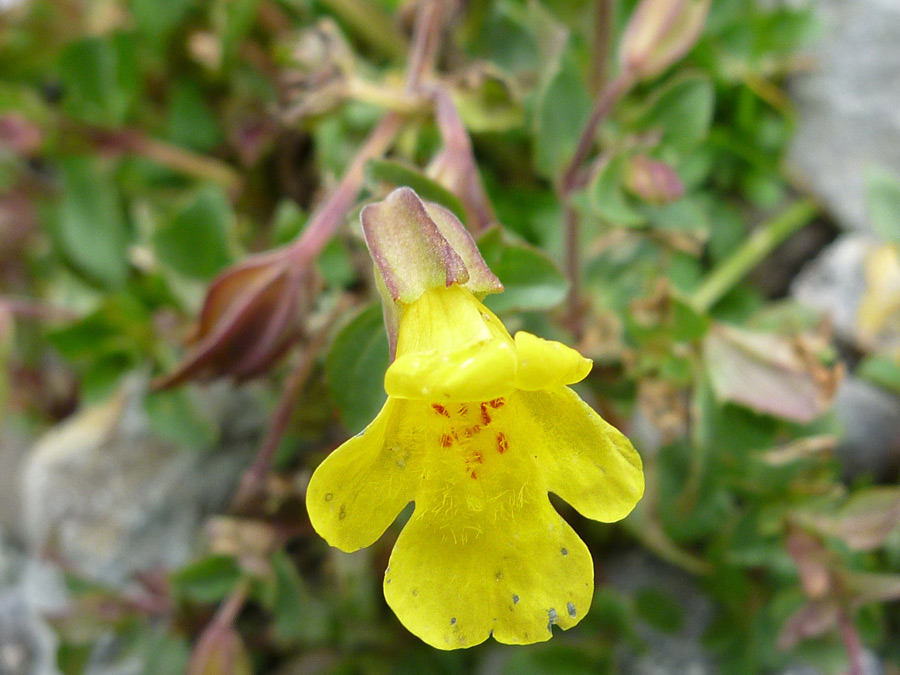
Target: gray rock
{"points": [[27, 644], [28, 588], [871, 666], [679, 652], [849, 106], [871, 420], [14, 445], [112, 498], [834, 283]]}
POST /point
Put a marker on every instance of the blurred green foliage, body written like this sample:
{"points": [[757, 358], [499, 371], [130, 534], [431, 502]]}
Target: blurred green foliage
{"points": [[147, 145]]}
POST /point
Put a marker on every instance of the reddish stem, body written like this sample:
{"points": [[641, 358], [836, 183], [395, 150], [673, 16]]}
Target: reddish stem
{"points": [[332, 213], [601, 40], [425, 43], [852, 644], [252, 481], [327, 219], [29, 309], [607, 98], [458, 144], [572, 179]]}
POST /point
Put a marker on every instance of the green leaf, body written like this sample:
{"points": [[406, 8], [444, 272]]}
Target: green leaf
{"points": [[563, 107], [207, 580], [881, 370], [336, 265], [684, 215], [355, 368], [195, 242], [531, 280], [883, 196], [297, 615], [90, 228], [551, 660], [658, 609], [165, 654], [191, 122], [682, 110], [506, 40], [399, 174], [100, 78], [692, 505], [158, 19], [608, 198], [178, 417], [239, 16]]}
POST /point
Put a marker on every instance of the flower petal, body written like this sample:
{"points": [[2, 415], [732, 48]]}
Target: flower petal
{"points": [[357, 492], [454, 580], [584, 459], [546, 363], [450, 347]]}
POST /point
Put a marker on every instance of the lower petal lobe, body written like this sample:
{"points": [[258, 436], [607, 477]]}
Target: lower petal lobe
{"points": [[583, 459], [512, 573], [358, 491]]}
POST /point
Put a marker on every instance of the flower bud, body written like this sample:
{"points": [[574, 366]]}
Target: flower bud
{"points": [[659, 33], [251, 315], [653, 181], [418, 246]]}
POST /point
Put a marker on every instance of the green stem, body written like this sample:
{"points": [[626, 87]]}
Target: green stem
{"points": [[385, 97], [723, 278]]}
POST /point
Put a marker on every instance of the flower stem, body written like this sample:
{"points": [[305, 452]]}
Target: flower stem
{"points": [[251, 486], [458, 145], [171, 156], [425, 42], [723, 278], [852, 643], [323, 225], [601, 40], [332, 213], [29, 309], [384, 97], [605, 101], [570, 181], [573, 269]]}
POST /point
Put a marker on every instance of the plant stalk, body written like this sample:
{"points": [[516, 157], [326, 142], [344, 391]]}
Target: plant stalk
{"points": [[601, 42], [251, 486], [768, 237], [611, 94]]}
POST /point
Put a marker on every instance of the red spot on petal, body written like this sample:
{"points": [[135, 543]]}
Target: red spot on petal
{"points": [[474, 475], [463, 409], [446, 440], [496, 403], [440, 410], [469, 432], [485, 418], [502, 443], [477, 457]]}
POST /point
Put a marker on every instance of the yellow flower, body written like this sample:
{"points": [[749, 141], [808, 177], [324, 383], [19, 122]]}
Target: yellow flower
{"points": [[477, 429]]}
